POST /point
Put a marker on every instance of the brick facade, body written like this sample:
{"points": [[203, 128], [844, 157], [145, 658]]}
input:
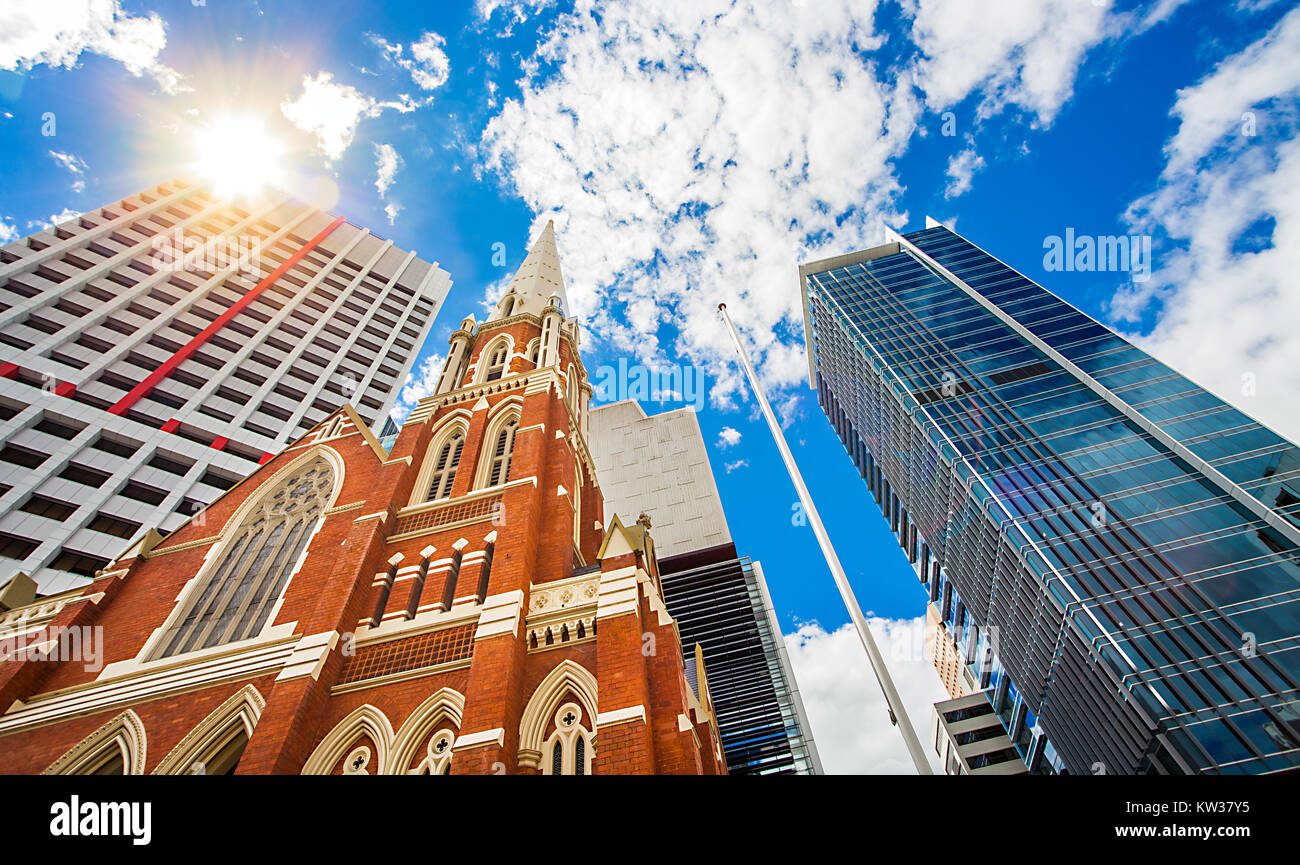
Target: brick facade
{"points": [[482, 614]]}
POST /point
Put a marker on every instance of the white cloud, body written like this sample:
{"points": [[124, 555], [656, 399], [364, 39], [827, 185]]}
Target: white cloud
{"points": [[420, 382], [57, 32], [75, 165], [387, 164], [428, 64], [331, 111], [519, 9], [1216, 106], [513, 12], [961, 171], [1163, 10], [691, 153], [738, 464], [1227, 227], [728, 437], [846, 709], [8, 232], [431, 67], [70, 161], [1022, 53], [67, 215]]}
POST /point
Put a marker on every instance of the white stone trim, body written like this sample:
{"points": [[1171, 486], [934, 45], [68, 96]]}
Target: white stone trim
{"points": [[34, 616], [309, 656], [126, 731], [427, 618], [495, 736], [654, 599], [445, 704], [620, 716], [136, 686], [617, 594], [244, 708], [365, 720], [500, 614]]}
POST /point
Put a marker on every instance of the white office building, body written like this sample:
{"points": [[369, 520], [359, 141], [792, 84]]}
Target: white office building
{"points": [[155, 350]]}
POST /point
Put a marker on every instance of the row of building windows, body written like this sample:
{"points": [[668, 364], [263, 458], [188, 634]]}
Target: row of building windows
{"points": [[395, 300]]}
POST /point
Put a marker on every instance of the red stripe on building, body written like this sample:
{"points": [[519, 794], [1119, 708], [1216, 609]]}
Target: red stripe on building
{"points": [[143, 389]]}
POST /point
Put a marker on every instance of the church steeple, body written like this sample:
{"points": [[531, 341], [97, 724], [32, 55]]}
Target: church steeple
{"points": [[538, 280]]}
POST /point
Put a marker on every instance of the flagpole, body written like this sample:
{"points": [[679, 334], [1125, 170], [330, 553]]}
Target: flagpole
{"points": [[897, 714]]}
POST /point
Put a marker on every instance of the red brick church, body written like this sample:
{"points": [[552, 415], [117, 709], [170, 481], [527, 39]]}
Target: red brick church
{"points": [[455, 606]]}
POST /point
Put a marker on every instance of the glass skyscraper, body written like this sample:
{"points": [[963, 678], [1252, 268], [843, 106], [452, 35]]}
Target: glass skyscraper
{"points": [[1114, 548]]}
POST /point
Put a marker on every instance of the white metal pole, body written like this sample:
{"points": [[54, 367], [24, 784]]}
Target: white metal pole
{"points": [[897, 714]]}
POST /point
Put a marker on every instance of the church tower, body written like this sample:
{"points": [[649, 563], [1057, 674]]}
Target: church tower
{"points": [[458, 605], [572, 610]]}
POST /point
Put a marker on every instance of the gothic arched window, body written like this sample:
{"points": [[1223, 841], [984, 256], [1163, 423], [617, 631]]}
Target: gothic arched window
{"points": [[498, 359], [445, 465], [255, 565], [502, 449], [535, 351], [569, 747]]}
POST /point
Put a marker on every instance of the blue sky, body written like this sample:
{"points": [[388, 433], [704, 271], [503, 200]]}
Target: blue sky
{"points": [[691, 152]]}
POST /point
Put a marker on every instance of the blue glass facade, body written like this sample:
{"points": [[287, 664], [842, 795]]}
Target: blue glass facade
{"points": [[1116, 549]]}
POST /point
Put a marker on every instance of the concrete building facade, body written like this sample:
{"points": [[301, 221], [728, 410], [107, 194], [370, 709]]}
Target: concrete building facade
{"points": [[156, 350]]}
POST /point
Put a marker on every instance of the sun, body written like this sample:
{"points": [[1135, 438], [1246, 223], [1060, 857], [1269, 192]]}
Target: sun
{"points": [[238, 156]]}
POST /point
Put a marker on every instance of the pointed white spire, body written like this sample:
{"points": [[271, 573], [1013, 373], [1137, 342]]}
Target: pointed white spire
{"points": [[537, 280]]}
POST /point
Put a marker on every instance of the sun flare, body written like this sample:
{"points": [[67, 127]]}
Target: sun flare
{"points": [[238, 156]]}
